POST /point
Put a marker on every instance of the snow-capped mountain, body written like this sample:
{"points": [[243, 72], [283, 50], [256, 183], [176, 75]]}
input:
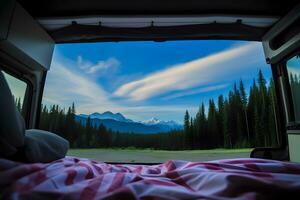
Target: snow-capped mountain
{"points": [[117, 122], [155, 121], [151, 121]]}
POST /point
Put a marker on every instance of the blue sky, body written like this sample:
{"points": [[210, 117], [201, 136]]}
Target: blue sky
{"points": [[150, 79]]}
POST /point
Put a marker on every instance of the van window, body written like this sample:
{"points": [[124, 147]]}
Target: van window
{"points": [[293, 67], [18, 89], [154, 101]]}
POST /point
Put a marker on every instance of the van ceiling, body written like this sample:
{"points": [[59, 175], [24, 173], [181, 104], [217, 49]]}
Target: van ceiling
{"points": [[63, 19]]}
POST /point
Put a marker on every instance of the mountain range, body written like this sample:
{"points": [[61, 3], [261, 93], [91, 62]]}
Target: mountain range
{"points": [[117, 122]]}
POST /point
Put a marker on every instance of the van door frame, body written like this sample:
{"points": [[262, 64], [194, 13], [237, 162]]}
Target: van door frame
{"points": [[287, 35]]}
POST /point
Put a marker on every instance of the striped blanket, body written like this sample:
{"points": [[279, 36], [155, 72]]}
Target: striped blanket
{"points": [[78, 178]]}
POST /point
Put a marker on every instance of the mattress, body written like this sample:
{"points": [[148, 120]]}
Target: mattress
{"points": [[79, 178]]}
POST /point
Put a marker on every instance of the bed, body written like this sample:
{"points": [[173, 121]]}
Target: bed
{"points": [[79, 178]]}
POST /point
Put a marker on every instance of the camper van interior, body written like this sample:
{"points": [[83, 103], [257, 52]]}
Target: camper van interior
{"points": [[147, 99]]}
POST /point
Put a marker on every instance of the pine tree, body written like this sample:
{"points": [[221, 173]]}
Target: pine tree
{"points": [[262, 132], [201, 127], [244, 107], [227, 128], [186, 121], [239, 133], [252, 113], [191, 134], [186, 127], [220, 120], [212, 125]]}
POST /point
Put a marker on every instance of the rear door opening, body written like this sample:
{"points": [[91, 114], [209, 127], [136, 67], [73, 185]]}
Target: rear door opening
{"points": [[149, 102]]}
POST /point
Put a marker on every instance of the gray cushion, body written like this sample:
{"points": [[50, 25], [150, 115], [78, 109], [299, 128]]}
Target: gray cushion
{"points": [[43, 146], [12, 126]]}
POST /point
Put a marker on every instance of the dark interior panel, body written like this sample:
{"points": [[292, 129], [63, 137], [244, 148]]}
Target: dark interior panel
{"points": [[57, 8]]}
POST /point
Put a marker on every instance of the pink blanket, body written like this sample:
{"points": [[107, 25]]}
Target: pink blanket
{"points": [[77, 178]]}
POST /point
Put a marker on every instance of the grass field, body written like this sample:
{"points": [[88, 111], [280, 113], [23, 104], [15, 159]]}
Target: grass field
{"points": [[155, 156]]}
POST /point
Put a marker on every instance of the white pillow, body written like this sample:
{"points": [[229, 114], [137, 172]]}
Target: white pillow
{"points": [[44, 146]]}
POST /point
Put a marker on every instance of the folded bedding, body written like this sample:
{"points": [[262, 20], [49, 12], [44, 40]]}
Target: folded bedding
{"points": [[78, 178]]}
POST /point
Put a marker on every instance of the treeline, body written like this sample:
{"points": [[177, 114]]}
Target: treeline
{"points": [[238, 120], [295, 87], [62, 122], [19, 106]]}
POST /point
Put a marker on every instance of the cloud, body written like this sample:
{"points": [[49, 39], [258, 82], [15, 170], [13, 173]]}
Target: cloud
{"points": [[64, 86], [100, 67], [197, 91], [221, 66]]}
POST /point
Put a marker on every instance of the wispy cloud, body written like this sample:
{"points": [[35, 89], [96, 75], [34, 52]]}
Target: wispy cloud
{"points": [[221, 66], [197, 91], [100, 67], [65, 86]]}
